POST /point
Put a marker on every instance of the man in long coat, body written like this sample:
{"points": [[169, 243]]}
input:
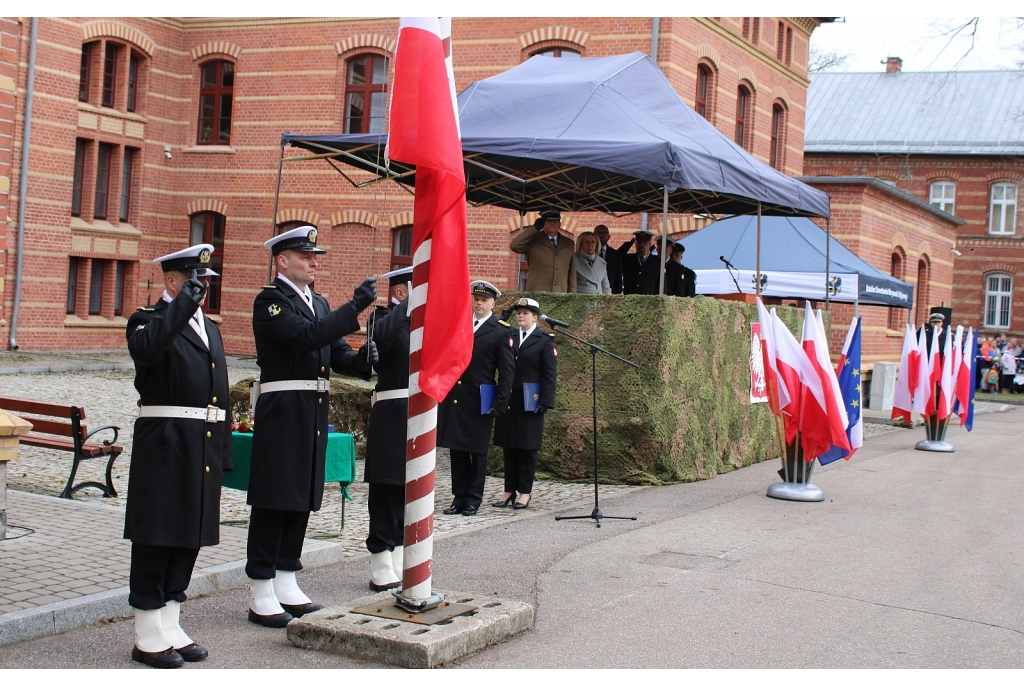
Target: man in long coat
{"points": [[680, 280], [611, 256], [463, 426], [386, 441], [640, 270], [298, 344], [180, 450], [551, 254]]}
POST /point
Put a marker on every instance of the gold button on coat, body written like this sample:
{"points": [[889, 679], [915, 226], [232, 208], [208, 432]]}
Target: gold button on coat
{"points": [[318, 434], [459, 382], [319, 400], [214, 399], [209, 434], [207, 469], [321, 369], [455, 402], [213, 365]]}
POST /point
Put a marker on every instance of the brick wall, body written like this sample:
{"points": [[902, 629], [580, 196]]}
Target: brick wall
{"points": [[9, 47], [289, 75], [873, 223], [983, 253]]}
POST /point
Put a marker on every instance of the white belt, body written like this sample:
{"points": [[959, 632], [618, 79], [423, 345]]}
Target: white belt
{"points": [[319, 385], [399, 394], [209, 414]]}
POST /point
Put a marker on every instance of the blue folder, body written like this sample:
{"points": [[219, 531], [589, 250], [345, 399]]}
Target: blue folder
{"points": [[487, 392], [531, 396]]}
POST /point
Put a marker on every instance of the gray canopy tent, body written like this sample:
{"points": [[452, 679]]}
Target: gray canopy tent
{"points": [[607, 134]]}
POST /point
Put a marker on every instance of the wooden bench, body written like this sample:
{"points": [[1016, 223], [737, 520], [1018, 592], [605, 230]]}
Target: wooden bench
{"points": [[69, 436]]}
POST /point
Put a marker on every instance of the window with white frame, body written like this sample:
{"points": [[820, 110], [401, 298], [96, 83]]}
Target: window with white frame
{"points": [[1003, 214], [998, 288], [943, 196]]}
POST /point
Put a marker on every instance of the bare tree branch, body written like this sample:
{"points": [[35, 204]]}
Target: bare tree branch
{"points": [[826, 60]]}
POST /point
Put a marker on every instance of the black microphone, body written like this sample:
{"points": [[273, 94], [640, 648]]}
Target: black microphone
{"points": [[553, 322], [727, 262]]}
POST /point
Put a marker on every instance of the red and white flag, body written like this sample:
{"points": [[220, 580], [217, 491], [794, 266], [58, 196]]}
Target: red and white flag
{"points": [[965, 377], [778, 393], [823, 421], [424, 131], [924, 401], [795, 371], [902, 398], [945, 364]]}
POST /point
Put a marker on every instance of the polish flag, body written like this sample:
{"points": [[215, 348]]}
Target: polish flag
{"points": [[778, 393], [902, 399], [924, 402], [424, 131], [823, 422], [795, 370], [914, 363], [945, 404], [965, 377]]}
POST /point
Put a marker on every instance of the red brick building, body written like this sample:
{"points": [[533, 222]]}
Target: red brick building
{"points": [[151, 133], [953, 140]]}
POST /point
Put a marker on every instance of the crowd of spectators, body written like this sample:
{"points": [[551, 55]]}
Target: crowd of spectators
{"points": [[999, 361]]}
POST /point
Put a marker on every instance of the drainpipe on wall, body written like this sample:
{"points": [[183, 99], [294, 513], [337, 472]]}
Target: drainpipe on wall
{"points": [[655, 25], [23, 181]]}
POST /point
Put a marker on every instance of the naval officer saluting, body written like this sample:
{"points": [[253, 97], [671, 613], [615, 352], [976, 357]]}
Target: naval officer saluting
{"points": [[298, 343], [180, 450], [463, 424]]}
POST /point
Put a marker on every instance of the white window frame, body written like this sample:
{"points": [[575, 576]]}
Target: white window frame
{"points": [[1000, 207], [998, 300], [939, 199]]}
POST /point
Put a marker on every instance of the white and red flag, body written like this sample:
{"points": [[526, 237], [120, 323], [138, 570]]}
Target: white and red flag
{"points": [[902, 398], [945, 364], [795, 372], [924, 398], [424, 132], [778, 393], [965, 377], [824, 421]]}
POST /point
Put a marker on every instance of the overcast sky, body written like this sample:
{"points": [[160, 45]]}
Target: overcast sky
{"points": [[920, 43]]}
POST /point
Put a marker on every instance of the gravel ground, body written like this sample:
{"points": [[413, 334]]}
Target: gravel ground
{"points": [[109, 398]]}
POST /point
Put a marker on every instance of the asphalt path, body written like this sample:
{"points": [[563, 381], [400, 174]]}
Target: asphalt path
{"points": [[913, 561]]}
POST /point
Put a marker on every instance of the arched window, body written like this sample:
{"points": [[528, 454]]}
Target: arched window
{"points": [[558, 52], [85, 76], [705, 85], [365, 98], [208, 227], [896, 270], [744, 107], [942, 195], [216, 88], [998, 292], [401, 247], [921, 303], [1003, 214], [778, 142]]}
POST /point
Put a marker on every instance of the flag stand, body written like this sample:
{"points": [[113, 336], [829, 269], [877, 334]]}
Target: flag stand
{"points": [[936, 432], [796, 486]]}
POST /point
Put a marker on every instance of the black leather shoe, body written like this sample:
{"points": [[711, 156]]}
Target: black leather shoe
{"points": [[272, 621], [517, 505], [300, 610], [193, 652], [452, 510], [469, 511], [165, 659], [382, 588], [502, 503]]}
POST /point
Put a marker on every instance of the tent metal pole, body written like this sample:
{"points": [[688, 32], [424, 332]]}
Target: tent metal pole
{"points": [[664, 240], [757, 278], [828, 260], [273, 219]]}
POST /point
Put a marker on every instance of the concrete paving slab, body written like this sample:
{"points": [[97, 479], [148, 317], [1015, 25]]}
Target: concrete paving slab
{"points": [[338, 630]]}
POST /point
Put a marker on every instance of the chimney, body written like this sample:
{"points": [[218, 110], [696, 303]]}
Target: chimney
{"points": [[893, 65]]}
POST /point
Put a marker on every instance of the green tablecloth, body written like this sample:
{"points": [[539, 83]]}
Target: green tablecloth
{"points": [[340, 467]]}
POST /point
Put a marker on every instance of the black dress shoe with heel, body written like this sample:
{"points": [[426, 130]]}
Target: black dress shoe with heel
{"points": [[272, 621], [300, 610], [165, 659], [192, 652], [502, 503]]}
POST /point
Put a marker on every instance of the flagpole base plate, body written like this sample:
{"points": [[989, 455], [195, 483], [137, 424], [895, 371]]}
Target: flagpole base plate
{"points": [[934, 446], [417, 605], [796, 492]]}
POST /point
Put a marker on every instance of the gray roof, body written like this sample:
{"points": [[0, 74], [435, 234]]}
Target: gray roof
{"points": [[957, 113]]}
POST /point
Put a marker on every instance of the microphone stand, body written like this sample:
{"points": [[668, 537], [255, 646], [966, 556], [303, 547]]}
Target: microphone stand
{"points": [[729, 267], [596, 514]]}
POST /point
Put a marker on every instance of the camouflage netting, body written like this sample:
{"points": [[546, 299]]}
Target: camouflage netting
{"points": [[684, 415], [349, 408]]}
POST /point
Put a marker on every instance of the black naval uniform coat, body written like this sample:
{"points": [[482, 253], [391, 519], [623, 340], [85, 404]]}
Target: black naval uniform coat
{"points": [[177, 464], [289, 444], [536, 362], [613, 259], [387, 429], [640, 279], [460, 425], [679, 280]]}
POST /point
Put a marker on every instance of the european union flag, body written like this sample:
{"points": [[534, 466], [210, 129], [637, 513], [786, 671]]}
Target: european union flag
{"points": [[848, 376], [969, 419]]}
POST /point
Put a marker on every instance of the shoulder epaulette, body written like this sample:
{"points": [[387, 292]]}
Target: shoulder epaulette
{"points": [[270, 286], [146, 309], [504, 323]]}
